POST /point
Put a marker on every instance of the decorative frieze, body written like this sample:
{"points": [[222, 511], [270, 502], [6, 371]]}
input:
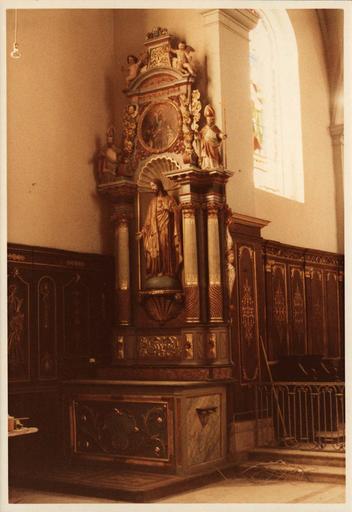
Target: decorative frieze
{"points": [[159, 347]]}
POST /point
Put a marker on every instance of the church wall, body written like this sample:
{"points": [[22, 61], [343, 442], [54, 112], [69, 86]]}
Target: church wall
{"points": [[313, 223], [67, 88], [59, 106]]}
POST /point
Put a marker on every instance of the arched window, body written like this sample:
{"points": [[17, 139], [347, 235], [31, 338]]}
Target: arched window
{"points": [[276, 106]]}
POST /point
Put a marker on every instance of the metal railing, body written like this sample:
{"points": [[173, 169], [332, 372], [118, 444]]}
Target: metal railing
{"points": [[304, 415]]}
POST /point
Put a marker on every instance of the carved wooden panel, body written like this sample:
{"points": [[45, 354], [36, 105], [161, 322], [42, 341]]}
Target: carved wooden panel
{"points": [[316, 317], [248, 314], [59, 311], [134, 429], [47, 328], [76, 310], [332, 313], [297, 310], [19, 328], [277, 309], [341, 312]]}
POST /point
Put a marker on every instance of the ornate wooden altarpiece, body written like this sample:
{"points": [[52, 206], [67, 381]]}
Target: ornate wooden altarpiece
{"points": [[162, 398]]}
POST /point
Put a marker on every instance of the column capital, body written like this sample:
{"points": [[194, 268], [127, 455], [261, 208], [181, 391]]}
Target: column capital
{"points": [[240, 21], [121, 214]]}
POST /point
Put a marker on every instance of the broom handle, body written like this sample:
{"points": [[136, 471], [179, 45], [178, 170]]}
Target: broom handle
{"points": [[273, 388]]}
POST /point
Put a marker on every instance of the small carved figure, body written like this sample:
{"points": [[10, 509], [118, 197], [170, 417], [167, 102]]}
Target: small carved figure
{"points": [[183, 58], [134, 65], [161, 234], [231, 273], [211, 137], [157, 32], [108, 157]]}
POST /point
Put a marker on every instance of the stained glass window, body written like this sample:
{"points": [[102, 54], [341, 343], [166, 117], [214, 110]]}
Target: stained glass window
{"points": [[275, 97]]}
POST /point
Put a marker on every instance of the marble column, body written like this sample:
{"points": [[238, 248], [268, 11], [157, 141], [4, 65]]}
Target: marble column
{"points": [[214, 266], [122, 267], [190, 263]]}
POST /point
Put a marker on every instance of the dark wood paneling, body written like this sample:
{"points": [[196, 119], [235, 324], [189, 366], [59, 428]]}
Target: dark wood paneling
{"points": [[277, 309], [59, 316], [20, 331], [332, 313], [306, 282], [297, 310], [315, 311], [248, 313]]}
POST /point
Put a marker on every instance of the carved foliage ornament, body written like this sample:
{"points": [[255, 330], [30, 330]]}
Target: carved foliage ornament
{"points": [[159, 347], [247, 311]]}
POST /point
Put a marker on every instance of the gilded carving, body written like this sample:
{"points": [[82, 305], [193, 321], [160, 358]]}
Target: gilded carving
{"points": [[159, 347], [331, 274], [247, 311], [16, 327], [129, 133], [75, 263], [134, 429], [16, 257], [188, 346], [196, 108], [249, 379], [246, 248], [120, 347], [322, 259], [284, 252], [212, 346], [279, 306], [44, 292], [298, 307], [159, 56]]}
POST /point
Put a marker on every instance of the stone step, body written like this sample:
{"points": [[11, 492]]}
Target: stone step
{"points": [[282, 470], [312, 457]]}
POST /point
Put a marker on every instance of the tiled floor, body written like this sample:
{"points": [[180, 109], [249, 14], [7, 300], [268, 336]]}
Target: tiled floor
{"points": [[228, 491]]}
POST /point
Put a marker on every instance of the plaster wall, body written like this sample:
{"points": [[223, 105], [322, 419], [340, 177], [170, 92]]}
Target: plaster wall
{"points": [[67, 88], [59, 105]]}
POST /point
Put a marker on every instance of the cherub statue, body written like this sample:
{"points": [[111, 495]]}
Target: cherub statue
{"points": [[133, 67], [210, 139], [183, 58], [108, 157]]}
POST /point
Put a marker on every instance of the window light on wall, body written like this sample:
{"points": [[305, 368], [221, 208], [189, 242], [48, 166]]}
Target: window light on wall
{"points": [[276, 116]]}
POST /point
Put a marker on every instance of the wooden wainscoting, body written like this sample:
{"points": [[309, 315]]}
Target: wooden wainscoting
{"points": [[59, 316]]}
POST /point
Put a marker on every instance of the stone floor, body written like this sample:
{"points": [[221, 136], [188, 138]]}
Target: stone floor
{"points": [[230, 490]]}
